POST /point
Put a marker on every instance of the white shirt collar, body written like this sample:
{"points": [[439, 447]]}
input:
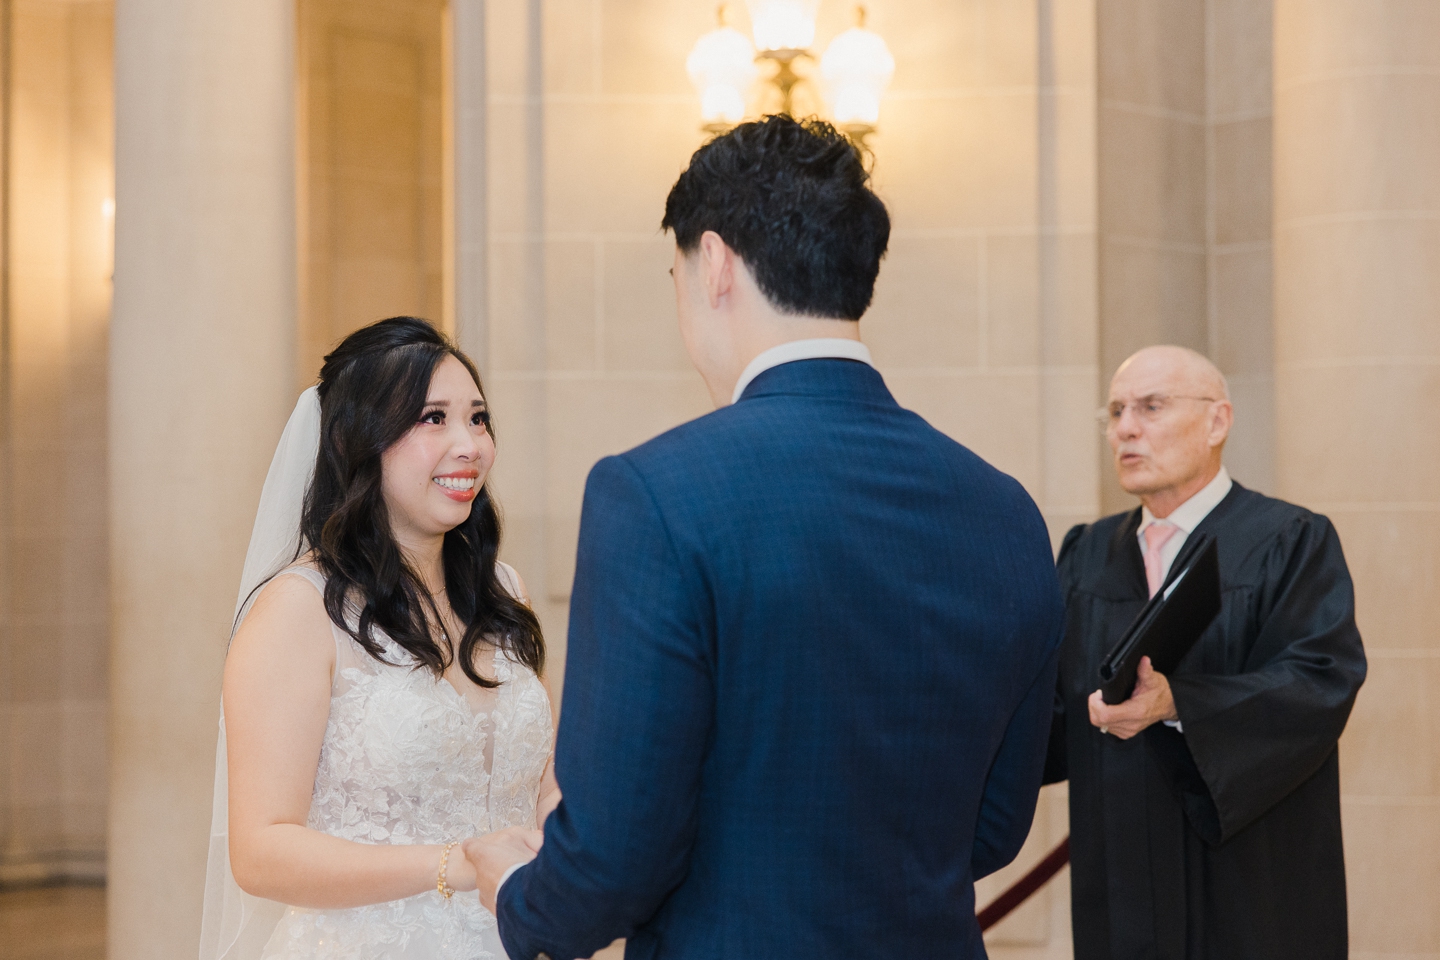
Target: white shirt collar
{"points": [[824, 348], [1188, 515]]}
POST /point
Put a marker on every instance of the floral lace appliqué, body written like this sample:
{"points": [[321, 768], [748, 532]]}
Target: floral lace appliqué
{"points": [[404, 760]]}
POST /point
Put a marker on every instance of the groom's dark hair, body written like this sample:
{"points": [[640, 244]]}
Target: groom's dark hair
{"points": [[793, 199]]}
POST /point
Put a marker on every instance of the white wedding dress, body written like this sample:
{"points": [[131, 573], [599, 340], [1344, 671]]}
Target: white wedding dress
{"points": [[406, 758], [409, 759]]}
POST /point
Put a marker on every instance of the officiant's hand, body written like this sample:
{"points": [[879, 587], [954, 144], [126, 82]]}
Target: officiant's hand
{"points": [[495, 853], [1149, 704]]}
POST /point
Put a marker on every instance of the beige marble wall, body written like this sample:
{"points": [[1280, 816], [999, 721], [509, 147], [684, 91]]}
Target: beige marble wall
{"points": [[1357, 362], [371, 98], [54, 628], [202, 361], [1238, 228]]}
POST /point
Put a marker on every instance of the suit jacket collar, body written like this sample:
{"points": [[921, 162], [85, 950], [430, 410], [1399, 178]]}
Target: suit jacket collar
{"points": [[822, 377], [813, 348]]}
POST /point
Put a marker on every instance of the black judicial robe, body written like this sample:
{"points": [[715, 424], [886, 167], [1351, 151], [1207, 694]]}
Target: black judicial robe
{"points": [[1223, 842]]}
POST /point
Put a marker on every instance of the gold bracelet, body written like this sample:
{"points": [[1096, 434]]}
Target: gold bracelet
{"points": [[444, 889]]}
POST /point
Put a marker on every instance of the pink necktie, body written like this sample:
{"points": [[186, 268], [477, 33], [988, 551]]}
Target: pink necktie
{"points": [[1156, 536]]}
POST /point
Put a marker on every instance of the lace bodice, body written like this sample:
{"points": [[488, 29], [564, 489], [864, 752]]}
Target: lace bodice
{"points": [[408, 759]]}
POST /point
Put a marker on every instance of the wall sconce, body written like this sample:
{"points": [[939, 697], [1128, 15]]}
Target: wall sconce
{"points": [[722, 67], [855, 68]]}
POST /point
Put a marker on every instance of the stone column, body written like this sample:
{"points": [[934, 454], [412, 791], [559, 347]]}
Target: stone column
{"points": [[1357, 345], [201, 379]]}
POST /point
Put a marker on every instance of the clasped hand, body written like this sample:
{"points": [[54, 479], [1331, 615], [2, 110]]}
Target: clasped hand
{"points": [[494, 853], [1149, 704]]}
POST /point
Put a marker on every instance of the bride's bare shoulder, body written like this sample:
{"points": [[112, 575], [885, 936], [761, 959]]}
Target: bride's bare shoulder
{"points": [[288, 612]]}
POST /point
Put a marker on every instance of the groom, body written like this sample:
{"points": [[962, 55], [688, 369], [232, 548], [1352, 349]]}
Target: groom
{"points": [[812, 639]]}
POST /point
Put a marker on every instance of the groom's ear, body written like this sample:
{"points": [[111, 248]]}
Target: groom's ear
{"points": [[717, 267]]}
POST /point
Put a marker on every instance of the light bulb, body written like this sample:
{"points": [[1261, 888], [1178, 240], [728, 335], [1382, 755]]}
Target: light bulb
{"points": [[783, 24], [722, 67], [857, 68]]}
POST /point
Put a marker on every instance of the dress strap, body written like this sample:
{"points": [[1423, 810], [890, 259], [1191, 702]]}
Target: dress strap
{"points": [[510, 580], [316, 578]]}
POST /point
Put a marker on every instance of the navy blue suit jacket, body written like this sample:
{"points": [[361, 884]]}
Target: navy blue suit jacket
{"points": [[810, 675]]}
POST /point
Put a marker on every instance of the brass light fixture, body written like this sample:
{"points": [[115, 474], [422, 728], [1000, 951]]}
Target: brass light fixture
{"points": [[853, 72]]}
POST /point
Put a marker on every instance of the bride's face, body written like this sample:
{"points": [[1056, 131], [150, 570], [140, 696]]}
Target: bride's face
{"points": [[432, 475]]}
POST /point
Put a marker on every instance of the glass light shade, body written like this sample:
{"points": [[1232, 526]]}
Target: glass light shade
{"points": [[856, 67], [783, 24], [722, 67]]}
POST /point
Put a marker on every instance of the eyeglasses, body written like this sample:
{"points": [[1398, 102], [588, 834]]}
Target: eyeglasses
{"points": [[1147, 409]]}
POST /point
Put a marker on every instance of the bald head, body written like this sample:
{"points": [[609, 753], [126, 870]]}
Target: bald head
{"points": [[1179, 368], [1169, 417]]}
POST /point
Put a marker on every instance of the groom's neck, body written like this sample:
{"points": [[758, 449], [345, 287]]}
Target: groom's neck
{"points": [[761, 331]]}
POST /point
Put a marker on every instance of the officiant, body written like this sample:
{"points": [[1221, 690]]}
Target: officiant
{"points": [[1205, 809]]}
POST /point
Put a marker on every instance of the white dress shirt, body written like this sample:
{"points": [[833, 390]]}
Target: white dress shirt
{"points": [[820, 349], [503, 877], [1186, 518]]}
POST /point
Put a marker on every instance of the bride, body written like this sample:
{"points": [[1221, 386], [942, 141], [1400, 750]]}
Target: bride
{"points": [[382, 693]]}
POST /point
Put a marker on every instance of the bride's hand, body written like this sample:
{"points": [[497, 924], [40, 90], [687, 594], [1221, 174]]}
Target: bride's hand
{"points": [[459, 871], [495, 853]]}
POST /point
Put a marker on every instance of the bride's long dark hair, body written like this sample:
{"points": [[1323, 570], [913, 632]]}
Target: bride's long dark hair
{"points": [[372, 390]]}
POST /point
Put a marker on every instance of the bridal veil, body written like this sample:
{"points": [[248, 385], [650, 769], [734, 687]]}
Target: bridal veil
{"points": [[237, 925]]}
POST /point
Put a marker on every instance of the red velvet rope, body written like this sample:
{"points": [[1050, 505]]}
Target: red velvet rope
{"points": [[1021, 889]]}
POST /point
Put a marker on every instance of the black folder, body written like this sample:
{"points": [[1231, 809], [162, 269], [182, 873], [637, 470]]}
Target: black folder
{"points": [[1169, 624]]}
